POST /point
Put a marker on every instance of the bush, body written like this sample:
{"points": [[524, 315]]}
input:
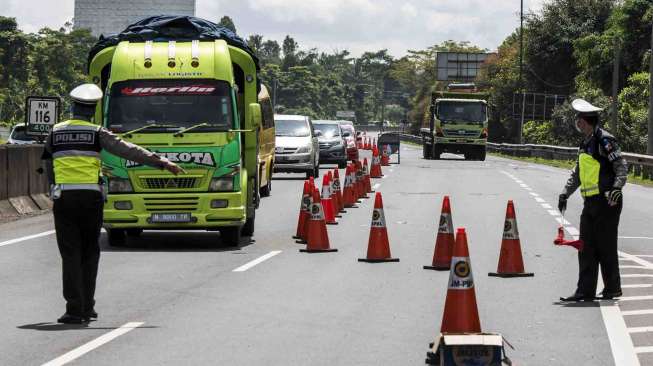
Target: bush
{"points": [[541, 133]]}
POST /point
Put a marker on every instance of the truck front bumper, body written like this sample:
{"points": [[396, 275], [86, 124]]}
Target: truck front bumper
{"points": [[203, 216]]}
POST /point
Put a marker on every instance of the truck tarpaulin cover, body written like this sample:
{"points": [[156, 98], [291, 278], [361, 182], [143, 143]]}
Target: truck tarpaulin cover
{"points": [[162, 28]]}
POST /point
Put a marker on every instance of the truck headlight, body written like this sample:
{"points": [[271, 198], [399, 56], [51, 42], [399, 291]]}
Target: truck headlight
{"points": [[120, 185], [223, 184], [304, 149]]}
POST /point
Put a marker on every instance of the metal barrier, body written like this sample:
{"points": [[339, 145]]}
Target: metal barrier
{"points": [[638, 164], [22, 187]]}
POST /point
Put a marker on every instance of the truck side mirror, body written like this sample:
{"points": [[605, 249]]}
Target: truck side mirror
{"points": [[254, 115]]}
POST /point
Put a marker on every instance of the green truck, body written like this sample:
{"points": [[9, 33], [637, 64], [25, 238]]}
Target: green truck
{"points": [[457, 123], [195, 102]]}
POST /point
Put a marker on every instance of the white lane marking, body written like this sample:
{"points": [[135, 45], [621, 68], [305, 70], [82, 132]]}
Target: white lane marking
{"points": [[621, 344], [376, 186], [636, 298], [637, 285], [642, 255], [523, 185], [554, 212], [540, 200], [572, 231], [636, 267], [546, 205], [256, 261], [648, 349], [637, 312], [640, 330], [562, 221], [636, 259], [533, 194], [97, 342], [636, 276], [28, 237], [639, 238]]}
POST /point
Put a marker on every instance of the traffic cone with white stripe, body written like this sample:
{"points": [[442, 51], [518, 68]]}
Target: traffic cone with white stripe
{"points": [[385, 155], [327, 203], [375, 169], [460, 309], [378, 246], [303, 212], [309, 202], [444, 241], [334, 196], [366, 177], [360, 180], [511, 263], [348, 196], [318, 238], [338, 189]]}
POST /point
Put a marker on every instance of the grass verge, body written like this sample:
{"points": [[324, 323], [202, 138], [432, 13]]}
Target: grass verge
{"points": [[568, 164]]}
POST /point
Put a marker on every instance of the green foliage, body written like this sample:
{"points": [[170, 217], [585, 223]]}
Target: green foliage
{"points": [[228, 23], [633, 114], [539, 133]]}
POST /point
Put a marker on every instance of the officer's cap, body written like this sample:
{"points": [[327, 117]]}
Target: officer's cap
{"points": [[86, 94], [583, 107]]}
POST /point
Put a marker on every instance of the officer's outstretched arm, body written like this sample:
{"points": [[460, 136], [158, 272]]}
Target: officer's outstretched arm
{"points": [[117, 146]]}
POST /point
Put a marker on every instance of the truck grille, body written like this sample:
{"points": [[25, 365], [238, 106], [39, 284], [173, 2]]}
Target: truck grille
{"points": [[171, 204], [463, 133], [169, 183]]}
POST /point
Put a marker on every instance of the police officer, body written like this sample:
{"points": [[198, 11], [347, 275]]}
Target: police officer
{"points": [[601, 173], [74, 149]]}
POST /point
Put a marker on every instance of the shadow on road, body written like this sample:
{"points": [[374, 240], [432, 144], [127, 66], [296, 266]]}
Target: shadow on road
{"points": [[175, 241], [581, 304], [49, 327]]}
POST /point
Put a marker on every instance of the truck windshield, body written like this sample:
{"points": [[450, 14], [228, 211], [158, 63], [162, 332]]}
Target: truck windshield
{"points": [[329, 131], [470, 112], [293, 128], [173, 103]]}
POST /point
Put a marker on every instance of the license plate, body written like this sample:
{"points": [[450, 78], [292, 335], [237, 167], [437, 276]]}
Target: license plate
{"points": [[161, 217]]}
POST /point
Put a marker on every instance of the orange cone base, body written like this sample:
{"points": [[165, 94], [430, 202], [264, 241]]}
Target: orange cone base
{"points": [[378, 260], [296, 237], [301, 241], [441, 267], [332, 223], [351, 205], [318, 250], [508, 275]]}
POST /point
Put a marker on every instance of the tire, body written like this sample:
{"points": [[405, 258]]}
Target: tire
{"points": [[436, 154], [342, 164], [248, 228], [482, 154], [310, 173], [134, 233], [426, 151], [116, 237], [230, 235]]}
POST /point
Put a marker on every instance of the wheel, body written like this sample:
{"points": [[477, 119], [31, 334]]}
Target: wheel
{"points": [[134, 233], [426, 152], [482, 154], [342, 164], [265, 191], [230, 235], [436, 154], [248, 228], [316, 171], [116, 237]]}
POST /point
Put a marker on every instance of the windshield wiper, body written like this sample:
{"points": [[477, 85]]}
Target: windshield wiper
{"points": [[154, 125], [204, 124]]}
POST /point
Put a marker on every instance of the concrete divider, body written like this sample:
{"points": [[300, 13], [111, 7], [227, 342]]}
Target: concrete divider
{"points": [[18, 177], [6, 209]]}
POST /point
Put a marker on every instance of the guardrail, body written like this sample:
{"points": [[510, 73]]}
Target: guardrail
{"points": [[22, 188], [638, 164]]}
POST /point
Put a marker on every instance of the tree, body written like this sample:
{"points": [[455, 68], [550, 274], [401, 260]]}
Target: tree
{"points": [[228, 23], [289, 48], [255, 42]]}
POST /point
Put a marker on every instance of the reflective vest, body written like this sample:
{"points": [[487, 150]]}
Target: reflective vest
{"points": [[588, 170], [76, 154]]}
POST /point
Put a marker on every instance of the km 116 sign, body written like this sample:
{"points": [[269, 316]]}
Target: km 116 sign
{"points": [[41, 114]]}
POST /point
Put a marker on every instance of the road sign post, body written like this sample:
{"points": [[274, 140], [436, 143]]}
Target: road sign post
{"points": [[41, 113]]}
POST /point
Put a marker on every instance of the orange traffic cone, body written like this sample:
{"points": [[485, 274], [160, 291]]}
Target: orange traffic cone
{"points": [[317, 237], [511, 263], [309, 202], [445, 240], [303, 212], [337, 186], [460, 309], [349, 195], [385, 157], [366, 176], [327, 203], [378, 246], [360, 180], [334, 196], [375, 169]]}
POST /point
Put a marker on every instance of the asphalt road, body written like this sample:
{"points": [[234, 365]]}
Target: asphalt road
{"points": [[179, 300]]}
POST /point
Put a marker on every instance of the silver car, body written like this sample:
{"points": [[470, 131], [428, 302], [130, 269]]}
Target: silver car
{"points": [[296, 145], [18, 136]]}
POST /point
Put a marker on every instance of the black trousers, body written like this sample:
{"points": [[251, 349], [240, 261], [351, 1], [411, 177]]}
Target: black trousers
{"points": [[78, 220], [599, 225]]}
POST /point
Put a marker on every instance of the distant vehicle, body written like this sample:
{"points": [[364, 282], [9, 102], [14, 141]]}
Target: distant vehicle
{"points": [[333, 147], [458, 123], [18, 136], [266, 142], [296, 145], [349, 133]]}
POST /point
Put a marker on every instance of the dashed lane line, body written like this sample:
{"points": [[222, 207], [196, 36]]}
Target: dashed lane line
{"points": [[256, 261], [637, 285], [637, 312], [640, 329], [636, 298], [97, 342], [28, 237]]}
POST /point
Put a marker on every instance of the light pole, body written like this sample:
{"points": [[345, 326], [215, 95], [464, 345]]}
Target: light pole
{"points": [[521, 68], [649, 147]]}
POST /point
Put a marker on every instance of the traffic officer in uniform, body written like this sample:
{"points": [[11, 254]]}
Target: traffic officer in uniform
{"points": [[601, 173], [74, 149]]}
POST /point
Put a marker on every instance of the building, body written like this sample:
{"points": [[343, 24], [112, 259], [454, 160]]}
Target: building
{"points": [[110, 17]]}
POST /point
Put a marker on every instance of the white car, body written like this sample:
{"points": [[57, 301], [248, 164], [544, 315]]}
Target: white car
{"points": [[296, 145], [18, 136]]}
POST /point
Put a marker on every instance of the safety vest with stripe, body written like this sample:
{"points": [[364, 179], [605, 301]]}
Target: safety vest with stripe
{"points": [[76, 150], [588, 170], [595, 170]]}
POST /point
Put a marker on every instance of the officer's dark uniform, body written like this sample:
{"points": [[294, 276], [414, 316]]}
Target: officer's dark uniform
{"points": [[74, 147], [600, 172]]}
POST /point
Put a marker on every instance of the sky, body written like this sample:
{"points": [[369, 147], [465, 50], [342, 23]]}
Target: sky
{"points": [[330, 25]]}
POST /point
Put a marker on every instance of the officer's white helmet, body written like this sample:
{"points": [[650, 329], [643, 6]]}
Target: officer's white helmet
{"points": [[584, 108], [86, 94]]}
